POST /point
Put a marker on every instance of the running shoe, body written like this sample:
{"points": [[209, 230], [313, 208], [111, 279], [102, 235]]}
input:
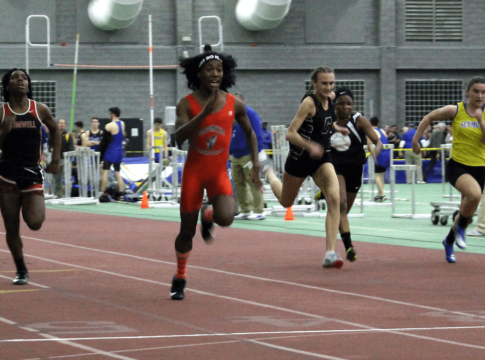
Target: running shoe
{"points": [[475, 232], [319, 195], [242, 216], [379, 198], [351, 254], [256, 217], [21, 278], [460, 237], [331, 261], [177, 291], [207, 225], [450, 254]]}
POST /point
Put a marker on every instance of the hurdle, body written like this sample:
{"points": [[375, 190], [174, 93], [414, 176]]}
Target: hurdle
{"points": [[413, 214], [88, 164], [169, 190]]}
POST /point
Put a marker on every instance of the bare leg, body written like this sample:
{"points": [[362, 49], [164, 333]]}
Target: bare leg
{"points": [[326, 179], [104, 180], [188, 226], [33, 209], [224, 210], [121, 184], [471, 195], [379, 179], [286, 191], [10, 207]]}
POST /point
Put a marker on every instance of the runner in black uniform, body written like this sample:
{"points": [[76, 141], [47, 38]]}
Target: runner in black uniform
{"points": [[92, 138], [309, 155], [21, 177], [348, 157]]}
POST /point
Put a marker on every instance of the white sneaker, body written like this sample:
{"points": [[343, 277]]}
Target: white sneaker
{"points": [[475, 232], [242, 216], [257, 217], [421, 182]]}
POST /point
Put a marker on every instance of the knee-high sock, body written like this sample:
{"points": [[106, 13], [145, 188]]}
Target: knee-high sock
{"points": [[181, 264]]}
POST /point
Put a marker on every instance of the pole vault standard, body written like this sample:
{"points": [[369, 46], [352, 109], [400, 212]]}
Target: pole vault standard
{"points": [[150, 55], [74, 83]]}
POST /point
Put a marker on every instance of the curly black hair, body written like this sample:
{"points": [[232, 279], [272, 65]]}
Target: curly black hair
{"points": [[191, 69], [6, 81]]}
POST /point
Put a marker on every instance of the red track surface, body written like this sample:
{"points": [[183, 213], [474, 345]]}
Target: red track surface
{"points": [[252, 295]]}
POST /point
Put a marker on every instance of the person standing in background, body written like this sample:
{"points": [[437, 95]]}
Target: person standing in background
{"points": [[248, 197]]}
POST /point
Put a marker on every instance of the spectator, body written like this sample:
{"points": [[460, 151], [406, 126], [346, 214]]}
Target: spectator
{"points": [[78, 128], [437, 138], [249, 198], [160, 137], [92, 138], [67, 144], [267, 138], [410, 157]]}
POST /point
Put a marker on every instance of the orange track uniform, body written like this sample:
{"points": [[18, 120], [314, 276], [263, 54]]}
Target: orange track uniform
{"points": [[206, 165]]}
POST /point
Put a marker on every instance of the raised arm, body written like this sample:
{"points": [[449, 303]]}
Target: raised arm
{"points": [[55, 135], [185, 126], [445, 113]]}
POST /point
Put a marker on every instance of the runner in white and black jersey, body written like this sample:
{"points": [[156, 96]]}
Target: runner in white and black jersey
{"points": [[309, 155], [20, 173], [348, 157]]}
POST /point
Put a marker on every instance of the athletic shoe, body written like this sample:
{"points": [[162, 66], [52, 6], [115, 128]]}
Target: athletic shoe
{"points": [[332, 261], [242, 216], [450, 254], [206, 227], [475, 232], [21, 278], [177, 291], [420, 182], [460, 237], [351, 254], [257, 217], [379, 198], [319, 195]]}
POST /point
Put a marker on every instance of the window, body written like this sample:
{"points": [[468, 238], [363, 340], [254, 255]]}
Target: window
{"points": [[423, 96], [356, 86], [45, 92], [434, 20]]}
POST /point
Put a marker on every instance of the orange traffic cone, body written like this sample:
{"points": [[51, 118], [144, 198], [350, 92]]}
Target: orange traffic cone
{"points": [[144, 201], [289, 214]]}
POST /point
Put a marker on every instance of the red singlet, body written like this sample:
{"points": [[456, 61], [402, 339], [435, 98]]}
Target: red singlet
{"points": [[206, 165]]}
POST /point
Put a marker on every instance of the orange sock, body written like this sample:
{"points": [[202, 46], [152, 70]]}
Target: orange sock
{"points": [[181, 264]]}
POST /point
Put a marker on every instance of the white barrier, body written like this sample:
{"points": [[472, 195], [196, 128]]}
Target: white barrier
{"points": [[413, 214], [88, 165]]}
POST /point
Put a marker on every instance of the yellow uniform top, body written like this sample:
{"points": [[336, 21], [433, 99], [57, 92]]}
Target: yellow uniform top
{"points": [[159, 137], [467, 148]]}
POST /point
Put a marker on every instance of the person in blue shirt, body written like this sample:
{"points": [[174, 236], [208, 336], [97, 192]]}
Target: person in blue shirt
{"points": [[267, 139], [248, 197], [410, 157], [382, 160]]}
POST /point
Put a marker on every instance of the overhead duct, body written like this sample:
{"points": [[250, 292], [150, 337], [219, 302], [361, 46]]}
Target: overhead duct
{"points": [[113, 14], [261, 14]]}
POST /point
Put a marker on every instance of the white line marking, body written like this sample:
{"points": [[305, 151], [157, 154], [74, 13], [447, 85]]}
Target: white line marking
{"points": [[67, 342], [288, 332], [30, 282], [258, 304], [262, 279]]}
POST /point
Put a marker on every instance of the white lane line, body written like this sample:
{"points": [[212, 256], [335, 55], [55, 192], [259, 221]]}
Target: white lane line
{"points": [[288, 332], [266, 279], [249, 302], [66, 342], [30, 282]]}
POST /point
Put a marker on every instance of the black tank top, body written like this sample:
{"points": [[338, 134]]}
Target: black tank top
{"points": [[22, 145], [349, 149], [317, 128]]}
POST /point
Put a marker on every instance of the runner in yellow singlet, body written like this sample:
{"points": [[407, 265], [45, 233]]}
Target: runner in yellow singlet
{"points": [[466, 168]]}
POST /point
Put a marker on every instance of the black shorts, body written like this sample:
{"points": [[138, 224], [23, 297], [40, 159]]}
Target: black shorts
{"points": [[455, 169], [26, 178], [107, 165], [379, 169], [304, 166], [352, 174]]}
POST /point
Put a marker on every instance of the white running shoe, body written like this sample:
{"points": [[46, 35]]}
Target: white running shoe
{"points": [[242, 216], [331, 261], [475, 232], [257, 217]]}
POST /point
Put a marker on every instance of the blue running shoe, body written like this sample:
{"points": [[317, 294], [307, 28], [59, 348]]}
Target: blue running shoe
{"points": [[460, 237], [450, 254]]}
